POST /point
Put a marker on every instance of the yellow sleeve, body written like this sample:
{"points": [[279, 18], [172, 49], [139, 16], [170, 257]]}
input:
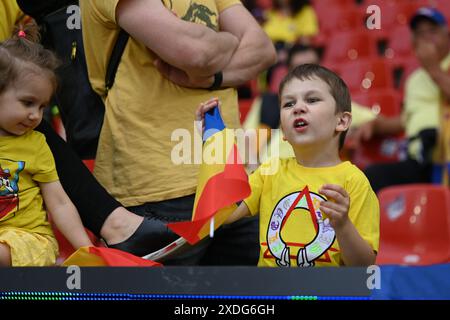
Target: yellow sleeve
{"points": [[224, 4], [44, 164], [104, 11], [361, 114], [364, 209], [9, 13], [306, 21]]}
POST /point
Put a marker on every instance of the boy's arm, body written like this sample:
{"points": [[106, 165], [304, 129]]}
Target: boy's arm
{"points": [[354, 249], [64, 214], [241, 212]]}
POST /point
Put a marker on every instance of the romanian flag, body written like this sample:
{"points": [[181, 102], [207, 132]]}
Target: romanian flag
{"points": [[222, 181], [98, 256]]}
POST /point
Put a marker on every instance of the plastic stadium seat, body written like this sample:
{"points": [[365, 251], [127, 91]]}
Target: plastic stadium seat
{"points": [[400, 42], [415, 227], [349, 46], [337, 18], [324, 5], [399, 45], [393, 12], [380, 149], [385, 101], [277, 76], [364, 75]]}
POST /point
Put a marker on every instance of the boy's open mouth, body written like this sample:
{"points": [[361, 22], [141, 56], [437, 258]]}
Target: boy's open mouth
{"points": [[300, 123]]}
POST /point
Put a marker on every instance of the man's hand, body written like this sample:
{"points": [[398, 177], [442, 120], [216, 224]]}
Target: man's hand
{"points": [[181, 78], [337, 205]]}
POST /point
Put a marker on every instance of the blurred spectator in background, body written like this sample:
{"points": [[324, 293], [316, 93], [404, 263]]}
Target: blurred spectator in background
{"points": [[286, 23], [291, 21], [10, 15], [427, 92]]}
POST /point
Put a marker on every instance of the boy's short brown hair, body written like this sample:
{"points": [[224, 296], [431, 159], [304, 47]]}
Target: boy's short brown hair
{"points": [[338, 88]]}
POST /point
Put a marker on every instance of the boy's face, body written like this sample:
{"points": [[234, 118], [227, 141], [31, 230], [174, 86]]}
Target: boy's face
{"points": [[308, 114], [22, 104]]}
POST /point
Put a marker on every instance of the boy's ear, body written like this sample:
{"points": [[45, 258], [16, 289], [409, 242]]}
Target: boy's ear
{"points": [[344, 121]]}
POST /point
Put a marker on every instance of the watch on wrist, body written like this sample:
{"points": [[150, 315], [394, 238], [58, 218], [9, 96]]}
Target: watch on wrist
{"points": [[218, 78]]}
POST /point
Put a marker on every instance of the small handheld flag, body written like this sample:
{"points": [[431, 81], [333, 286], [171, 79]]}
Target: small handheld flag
{"points": [[221, 184]]}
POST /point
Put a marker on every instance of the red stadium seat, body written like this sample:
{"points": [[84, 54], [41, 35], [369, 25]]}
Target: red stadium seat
{"points": [[393, 13], [334, 18], [324, 5], [349, 46], [277, 76], [364, 75], [380, 149], [399, 45], [415, 225], [385, 101]]}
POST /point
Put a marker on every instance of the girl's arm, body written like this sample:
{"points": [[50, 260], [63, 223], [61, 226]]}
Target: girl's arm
{"points": [[64, 214]]}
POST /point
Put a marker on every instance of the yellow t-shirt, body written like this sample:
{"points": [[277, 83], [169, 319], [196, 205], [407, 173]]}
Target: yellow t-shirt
{"points": [[144, 109], [422, 104], [298, 236], [288, 29], [24, 162], [9, 14]]}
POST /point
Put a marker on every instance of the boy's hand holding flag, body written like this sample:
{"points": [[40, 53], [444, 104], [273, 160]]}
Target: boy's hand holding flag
{"points": [[222, 181]]}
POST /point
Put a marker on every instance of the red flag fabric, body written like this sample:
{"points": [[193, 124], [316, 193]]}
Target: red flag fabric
{"points": [[97, 256]]}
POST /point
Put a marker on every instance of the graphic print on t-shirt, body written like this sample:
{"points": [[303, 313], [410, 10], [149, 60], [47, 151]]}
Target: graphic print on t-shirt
{"points": [[309, 252], [194, 11], [9, 185]]}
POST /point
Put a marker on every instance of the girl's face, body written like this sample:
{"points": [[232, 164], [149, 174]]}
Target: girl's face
{"points": [[22, 104]]}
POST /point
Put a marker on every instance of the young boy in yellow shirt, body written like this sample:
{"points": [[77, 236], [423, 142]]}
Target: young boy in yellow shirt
{"points": [[314, 209]]}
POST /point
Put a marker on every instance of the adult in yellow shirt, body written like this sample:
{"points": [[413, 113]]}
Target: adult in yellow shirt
{"points": [[10, 14], [290, 21], [177, 51]]}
